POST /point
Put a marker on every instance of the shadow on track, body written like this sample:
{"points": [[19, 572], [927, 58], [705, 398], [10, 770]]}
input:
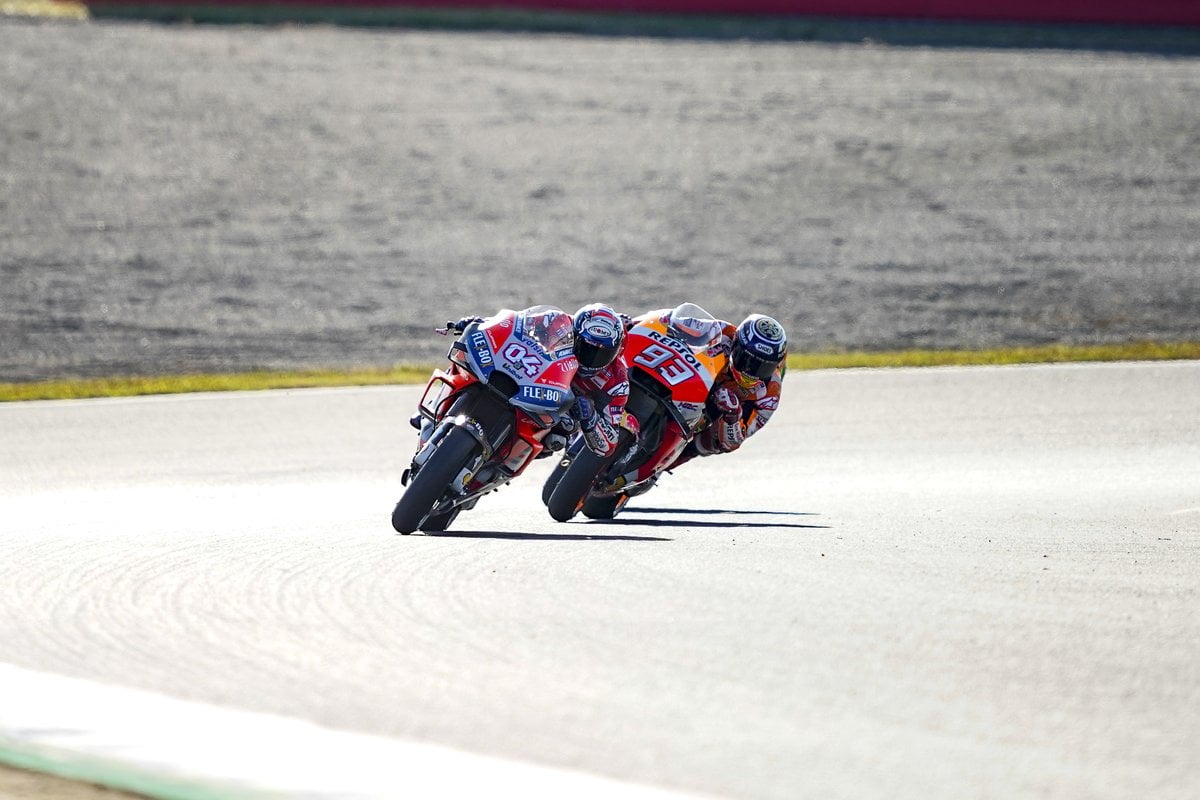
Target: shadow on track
{"points": [[693, 523], [643, 510], [546, 537]]}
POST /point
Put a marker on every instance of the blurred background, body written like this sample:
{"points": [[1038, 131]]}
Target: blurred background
{"points": [[208, 198]]}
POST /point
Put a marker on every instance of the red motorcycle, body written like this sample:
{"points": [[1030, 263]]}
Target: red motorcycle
{"points": [[483, 420], [674, 358]]}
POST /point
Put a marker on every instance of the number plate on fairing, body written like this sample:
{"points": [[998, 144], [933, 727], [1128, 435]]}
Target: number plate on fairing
{"points": [[687, 373]]}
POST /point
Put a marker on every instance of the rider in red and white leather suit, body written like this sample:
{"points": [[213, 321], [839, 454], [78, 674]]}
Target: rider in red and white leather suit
{"points": [[601, 382]]}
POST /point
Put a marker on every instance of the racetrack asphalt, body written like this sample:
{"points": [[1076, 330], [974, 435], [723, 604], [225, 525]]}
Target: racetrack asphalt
{"points": [[947, 584], [936, 583], [212, 199]]}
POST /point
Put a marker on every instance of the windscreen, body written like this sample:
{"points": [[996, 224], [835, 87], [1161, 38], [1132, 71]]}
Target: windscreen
{"points": [[693, 325], [549, 327]]}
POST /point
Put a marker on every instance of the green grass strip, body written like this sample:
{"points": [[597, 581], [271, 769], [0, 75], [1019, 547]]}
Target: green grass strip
{"points": [[1045, 354], [247, 381], [59, 9], [177, 384]]}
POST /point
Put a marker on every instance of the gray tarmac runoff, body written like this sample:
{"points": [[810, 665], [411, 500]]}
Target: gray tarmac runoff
{"points": [[213, 199], [970, 582]]}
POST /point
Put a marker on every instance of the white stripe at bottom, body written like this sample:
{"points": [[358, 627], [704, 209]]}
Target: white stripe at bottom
{"points": [[165, 747]]}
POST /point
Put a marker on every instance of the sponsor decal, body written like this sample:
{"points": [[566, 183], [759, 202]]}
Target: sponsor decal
{"points": [[482, 348], [765, 349], [559, 373], [476, 428], [542, 394], [679, 347], [768, 404], [601, 328], [671, 359]]}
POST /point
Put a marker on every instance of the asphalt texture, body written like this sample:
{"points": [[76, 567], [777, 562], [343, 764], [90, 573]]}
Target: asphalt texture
{"points": [[914, 584], [183, 199]]}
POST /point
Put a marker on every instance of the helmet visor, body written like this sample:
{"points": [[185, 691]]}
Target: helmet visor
{"points": [[749, 364], [592, 358]]}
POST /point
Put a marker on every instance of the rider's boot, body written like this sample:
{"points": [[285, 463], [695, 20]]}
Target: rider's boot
{"points": [[558, 437], [553, 443]]}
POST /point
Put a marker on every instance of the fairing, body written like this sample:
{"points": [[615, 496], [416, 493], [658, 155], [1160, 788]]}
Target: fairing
{"points": [[525, 359], [688, 371]]}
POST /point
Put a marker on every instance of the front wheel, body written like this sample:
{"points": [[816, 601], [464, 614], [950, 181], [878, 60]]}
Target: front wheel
{"points": [[560, 467], [449, 457]]}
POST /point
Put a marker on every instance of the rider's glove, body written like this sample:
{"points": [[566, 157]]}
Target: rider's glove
{"points": [[458, 326], [727, 403], [585, 412]]}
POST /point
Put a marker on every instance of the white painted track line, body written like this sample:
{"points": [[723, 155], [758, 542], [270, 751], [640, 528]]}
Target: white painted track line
{"points": [[144, 741]]}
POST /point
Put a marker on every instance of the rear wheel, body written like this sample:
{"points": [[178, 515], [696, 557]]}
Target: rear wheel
{"points": [[604, 507], [440, 522], [448, 459]]}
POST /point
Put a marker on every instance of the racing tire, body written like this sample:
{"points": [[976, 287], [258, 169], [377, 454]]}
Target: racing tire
{"points": [[560, 467], [573, 487], [435, 523], [604, 507], [452, 453]]}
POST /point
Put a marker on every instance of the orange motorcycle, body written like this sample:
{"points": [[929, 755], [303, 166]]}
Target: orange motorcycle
{"points": [[674, 358]]}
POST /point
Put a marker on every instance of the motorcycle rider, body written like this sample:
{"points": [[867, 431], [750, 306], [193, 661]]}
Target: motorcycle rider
{"points": [[745, 393], [601, 382]]}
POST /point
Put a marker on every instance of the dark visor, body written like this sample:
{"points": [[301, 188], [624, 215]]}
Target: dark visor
{"points": [[749, 364], [592, 357]]}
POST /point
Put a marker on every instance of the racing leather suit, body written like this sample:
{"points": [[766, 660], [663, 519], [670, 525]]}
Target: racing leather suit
{"points": [[734, 412], [606, 391]]}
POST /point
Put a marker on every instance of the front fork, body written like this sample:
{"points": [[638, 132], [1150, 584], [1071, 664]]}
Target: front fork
{"points": [[431, 436], [475, 410]]}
